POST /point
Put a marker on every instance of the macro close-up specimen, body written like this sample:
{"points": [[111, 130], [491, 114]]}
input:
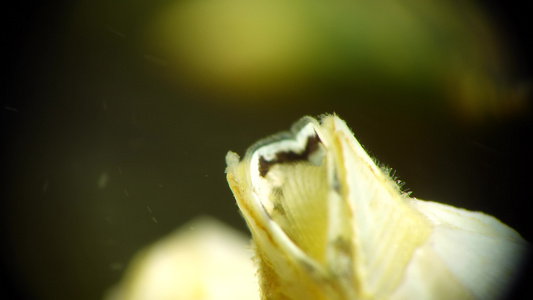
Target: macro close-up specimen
{"points": [[328, 223], [406, 174]]}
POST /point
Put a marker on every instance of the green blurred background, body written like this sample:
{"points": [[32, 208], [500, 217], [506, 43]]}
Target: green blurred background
{"points": [[117, 115]]}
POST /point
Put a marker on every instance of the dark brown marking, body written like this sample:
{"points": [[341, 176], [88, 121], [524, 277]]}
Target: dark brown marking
{"points": [[335, 184], [290, 156]]}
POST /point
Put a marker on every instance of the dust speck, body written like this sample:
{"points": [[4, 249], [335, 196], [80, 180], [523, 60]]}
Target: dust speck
{"points": [[45, 186], [115, 31], [155, 60], [103, 180], [116, 266]]}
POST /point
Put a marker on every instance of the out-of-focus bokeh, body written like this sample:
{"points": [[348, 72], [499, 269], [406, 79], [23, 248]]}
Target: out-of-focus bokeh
{"points": [[439, 55], [203, 259], [117, 115]]}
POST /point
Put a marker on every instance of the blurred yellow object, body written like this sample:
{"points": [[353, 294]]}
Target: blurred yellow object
{"points": [[438, 55], [203, 260]]}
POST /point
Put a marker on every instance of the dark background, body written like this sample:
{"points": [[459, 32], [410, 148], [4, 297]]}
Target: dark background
{"points": [[80, 103]]}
